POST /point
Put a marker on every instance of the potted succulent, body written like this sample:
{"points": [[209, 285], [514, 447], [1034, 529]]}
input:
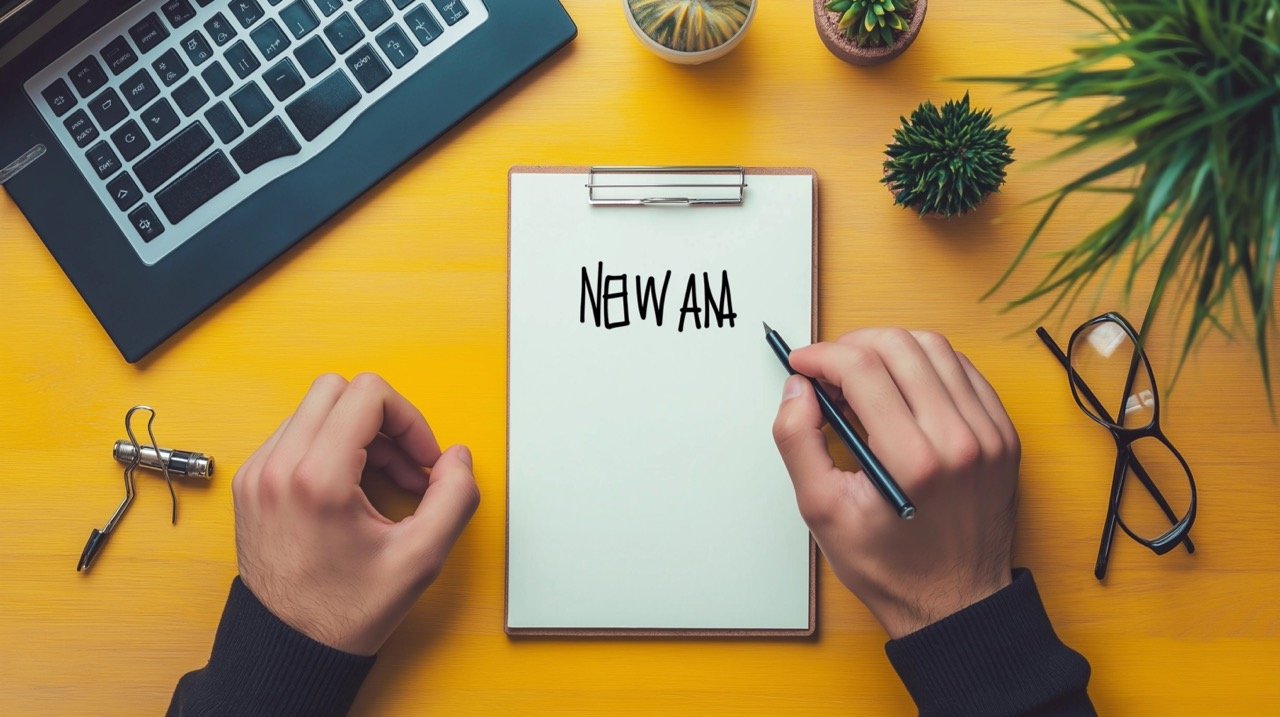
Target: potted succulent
{"points": [[868, 32], [947, 161]]}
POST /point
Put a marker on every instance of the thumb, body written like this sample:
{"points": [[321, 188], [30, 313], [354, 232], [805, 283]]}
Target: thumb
{"points": [[797, 430], [450, 500]]}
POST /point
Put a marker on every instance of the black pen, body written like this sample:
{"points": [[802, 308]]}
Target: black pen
{"points": [[871, 465]]}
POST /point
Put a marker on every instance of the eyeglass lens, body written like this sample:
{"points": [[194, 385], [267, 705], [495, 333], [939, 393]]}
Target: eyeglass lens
{"points": [[1106, 357], [1137, 510]]}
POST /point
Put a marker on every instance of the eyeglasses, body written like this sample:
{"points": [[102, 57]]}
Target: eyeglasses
{"points": [[1105, 357]]}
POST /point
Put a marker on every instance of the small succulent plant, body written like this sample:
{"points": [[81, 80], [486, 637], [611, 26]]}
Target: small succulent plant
{"points": [[946, 161], [872, 23]]}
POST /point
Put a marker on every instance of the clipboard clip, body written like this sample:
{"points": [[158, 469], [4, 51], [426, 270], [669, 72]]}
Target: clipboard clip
{"points": [[675, 185]]}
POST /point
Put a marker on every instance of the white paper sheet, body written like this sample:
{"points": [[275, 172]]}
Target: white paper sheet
{"points": [[645, 490]]}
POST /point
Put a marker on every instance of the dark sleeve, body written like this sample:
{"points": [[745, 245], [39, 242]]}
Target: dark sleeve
{"points": [[999, 656], [261, 666]]}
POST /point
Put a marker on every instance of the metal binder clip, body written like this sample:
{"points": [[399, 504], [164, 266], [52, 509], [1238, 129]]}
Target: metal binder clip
{"points": [[624, 186], [134, 455]]}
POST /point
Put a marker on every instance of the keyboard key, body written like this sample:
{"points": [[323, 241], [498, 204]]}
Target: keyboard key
{"points": [[246, 11], [216, 77], [299, 19], [272, 141], [219, 29], [81, 128], [108, 109], [169, 67], [242, 59], [373, 13], [368, 69], [451, 10], [396, 46], [270, 39], [322, 104], [139, 89], [118, 55], [190, 96], [196, 187], [197, 48], [179, 12], [328, 7], [402, 4], [314, 56], [204, 3], [282, 79], [224, 123], [172, 156], [103, 159], [423, 25], [344, 33], [146, 222], [88, 76], [160, 119], [148, 33], [124, 191], [60, 99], [130, 140], [251, 103]]}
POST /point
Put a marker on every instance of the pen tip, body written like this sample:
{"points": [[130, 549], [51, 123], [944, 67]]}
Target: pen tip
{"points": [[767, 330]]}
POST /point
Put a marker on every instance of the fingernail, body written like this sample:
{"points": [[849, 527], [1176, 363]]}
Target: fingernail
{"points": [[464, 455], [792, 388]]}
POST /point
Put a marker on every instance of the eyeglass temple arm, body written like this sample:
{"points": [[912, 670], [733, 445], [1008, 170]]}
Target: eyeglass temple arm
{"points": [[1123, 456], [1143, 477], [1128, 383]]}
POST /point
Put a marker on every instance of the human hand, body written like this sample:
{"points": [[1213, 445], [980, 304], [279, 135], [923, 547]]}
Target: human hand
{"points": [[941, 431], [311, 546]]}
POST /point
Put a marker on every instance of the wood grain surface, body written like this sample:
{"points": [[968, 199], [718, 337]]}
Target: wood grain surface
{"points": [[410, 282]]}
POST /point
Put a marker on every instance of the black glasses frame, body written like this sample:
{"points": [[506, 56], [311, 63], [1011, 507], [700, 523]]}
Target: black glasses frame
{"points": [[1124, 438]]}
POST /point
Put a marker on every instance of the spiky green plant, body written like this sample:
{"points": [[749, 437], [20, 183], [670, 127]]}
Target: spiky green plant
{"points": [[946, 161], [873, 23], [1193, 103]]}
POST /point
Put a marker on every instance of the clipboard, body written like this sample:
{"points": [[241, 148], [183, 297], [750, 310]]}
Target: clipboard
{"points": [[593, 202]]}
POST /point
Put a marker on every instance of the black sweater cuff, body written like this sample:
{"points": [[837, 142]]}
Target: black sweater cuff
{"points": [[999, 656], [261, 666]]}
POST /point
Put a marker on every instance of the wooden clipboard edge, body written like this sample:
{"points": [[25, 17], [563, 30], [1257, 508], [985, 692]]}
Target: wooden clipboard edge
{"points": [[588, 632]]}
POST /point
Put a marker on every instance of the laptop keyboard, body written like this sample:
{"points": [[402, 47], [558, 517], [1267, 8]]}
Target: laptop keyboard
{"points": [[176, 112]]}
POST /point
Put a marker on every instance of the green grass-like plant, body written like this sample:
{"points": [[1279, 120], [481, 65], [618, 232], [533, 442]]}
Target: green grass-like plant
{"points": [[1193, 103], [946, 161], [873, 23]]}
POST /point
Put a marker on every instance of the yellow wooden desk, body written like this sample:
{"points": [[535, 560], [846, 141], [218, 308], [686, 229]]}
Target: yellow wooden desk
{"points": [[411, 282]]}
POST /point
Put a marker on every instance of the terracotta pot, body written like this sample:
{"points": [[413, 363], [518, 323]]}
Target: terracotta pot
{"points": [[844, 48]]}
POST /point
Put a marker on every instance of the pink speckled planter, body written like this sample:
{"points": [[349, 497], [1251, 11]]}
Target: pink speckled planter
{"points": [[843, 48]]}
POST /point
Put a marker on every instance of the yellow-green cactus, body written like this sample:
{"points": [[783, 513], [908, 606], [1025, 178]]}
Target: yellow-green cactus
{"points": [[690, 25]]}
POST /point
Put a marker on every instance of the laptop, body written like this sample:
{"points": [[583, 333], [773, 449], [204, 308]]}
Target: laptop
{"points": [[166, 150]]}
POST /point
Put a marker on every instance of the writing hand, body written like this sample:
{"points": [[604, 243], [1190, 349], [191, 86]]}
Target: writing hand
{"points": [[311, 546], [941, 431]]}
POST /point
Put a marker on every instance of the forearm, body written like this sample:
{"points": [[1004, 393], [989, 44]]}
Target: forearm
{"points": [[261, 666], [999, 656]]}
